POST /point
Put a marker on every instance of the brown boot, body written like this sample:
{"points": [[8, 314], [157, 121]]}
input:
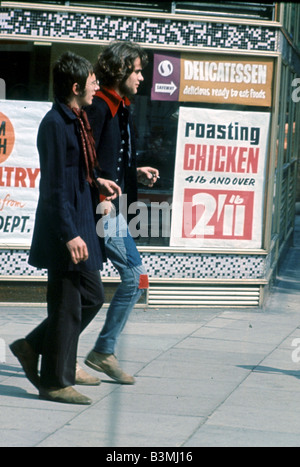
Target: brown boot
{"points": [[66, 395], [28, 360], [84, 379], [108, 364]]}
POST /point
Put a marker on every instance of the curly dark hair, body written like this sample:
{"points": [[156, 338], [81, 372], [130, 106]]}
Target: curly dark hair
{"points": [[69, 69], [116, 62]]}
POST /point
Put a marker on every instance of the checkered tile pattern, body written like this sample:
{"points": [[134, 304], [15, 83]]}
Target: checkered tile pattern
{"points": [[152, 31], [158, 265]]}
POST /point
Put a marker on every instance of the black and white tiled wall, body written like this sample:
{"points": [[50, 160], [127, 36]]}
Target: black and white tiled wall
{"points": [[151, 31], [14, 263]]}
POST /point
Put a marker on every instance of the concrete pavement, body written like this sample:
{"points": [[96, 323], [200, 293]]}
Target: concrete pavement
{"points": [[205, 377]]}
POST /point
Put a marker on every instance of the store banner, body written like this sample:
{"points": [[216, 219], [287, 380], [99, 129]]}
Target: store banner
{"points": [[19, 169], [218, 79], [219, 179]]}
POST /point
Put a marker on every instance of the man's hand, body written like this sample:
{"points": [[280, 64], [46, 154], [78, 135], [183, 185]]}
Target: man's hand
{"points": [[105, 207], [109, 189], [78, 250], [147, 176]]}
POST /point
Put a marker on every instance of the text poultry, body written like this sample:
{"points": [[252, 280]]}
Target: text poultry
{"points": [[18, 177]]}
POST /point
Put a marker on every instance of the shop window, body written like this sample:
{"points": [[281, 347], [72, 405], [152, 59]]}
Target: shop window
{"points": [[17, 84], [286, 159], [156, 124], [26, 72], [253, 10]]}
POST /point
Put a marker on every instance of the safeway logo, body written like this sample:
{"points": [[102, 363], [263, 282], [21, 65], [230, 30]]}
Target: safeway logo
{"points": [[166, 88], [7, 137]]}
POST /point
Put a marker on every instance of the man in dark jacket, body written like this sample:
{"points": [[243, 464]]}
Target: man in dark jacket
{"points": [[119, 70], [65, 240]]}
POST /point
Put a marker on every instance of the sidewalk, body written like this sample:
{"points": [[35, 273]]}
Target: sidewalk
{"points": [[204, 378]]}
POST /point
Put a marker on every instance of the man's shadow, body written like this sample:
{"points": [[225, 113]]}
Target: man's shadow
{"points": [[269, 369], [13, 391]]}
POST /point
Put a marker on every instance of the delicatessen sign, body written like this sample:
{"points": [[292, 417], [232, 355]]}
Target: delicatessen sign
{"points": [[213, 78], [219, 178], [19, 169]]}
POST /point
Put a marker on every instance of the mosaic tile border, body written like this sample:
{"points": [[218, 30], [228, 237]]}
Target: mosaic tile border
{"points": [[151, 31], [158, 265]]}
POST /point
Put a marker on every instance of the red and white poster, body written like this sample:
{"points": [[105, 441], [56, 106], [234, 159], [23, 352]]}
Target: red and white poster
{"points": [[19, 169], [219, 179]]}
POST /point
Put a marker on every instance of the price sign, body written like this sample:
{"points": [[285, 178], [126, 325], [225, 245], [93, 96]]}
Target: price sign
{"points": [[219, 179], [217, 214]]}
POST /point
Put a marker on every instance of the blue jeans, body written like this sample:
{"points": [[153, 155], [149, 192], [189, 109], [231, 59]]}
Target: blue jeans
{"points": [[121, 250]]}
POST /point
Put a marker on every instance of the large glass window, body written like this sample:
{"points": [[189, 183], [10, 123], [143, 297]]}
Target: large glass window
{"points": [[156, 125], [286, 159], [253, 10]]}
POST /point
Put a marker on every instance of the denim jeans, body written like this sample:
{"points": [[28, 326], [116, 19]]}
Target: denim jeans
{"points": [[122, 252]]}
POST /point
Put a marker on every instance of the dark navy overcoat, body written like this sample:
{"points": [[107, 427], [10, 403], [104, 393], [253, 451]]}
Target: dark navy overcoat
{"points": [[66, 206]]}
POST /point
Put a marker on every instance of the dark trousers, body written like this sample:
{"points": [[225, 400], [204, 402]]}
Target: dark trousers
{"points": [[74, 299]]}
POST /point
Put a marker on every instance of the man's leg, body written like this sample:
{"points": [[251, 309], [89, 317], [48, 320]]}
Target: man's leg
{"points": [[74, 298], [92, 296], [57, 337], [28, 350], [60, 340], [122, 251], [92, 299]]}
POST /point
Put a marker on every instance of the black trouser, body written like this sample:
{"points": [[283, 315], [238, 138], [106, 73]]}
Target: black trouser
{"points": [[74, 299]]}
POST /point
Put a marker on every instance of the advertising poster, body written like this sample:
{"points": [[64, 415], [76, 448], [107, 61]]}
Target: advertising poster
{"points": [[219, 179], [216, 79], [19, 169]]}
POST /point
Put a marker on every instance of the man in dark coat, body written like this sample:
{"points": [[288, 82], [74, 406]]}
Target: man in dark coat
{"points": [[65, 240]]}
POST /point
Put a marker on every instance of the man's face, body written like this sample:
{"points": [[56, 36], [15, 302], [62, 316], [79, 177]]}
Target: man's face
{"points": [[91, 87], [131, 85]]}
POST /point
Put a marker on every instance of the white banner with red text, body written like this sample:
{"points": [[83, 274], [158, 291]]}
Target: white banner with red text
{"points": [[219, 179], [19, 169]]}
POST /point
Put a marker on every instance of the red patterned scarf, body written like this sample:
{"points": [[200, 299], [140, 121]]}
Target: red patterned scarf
{"points": [[88, 144]]}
